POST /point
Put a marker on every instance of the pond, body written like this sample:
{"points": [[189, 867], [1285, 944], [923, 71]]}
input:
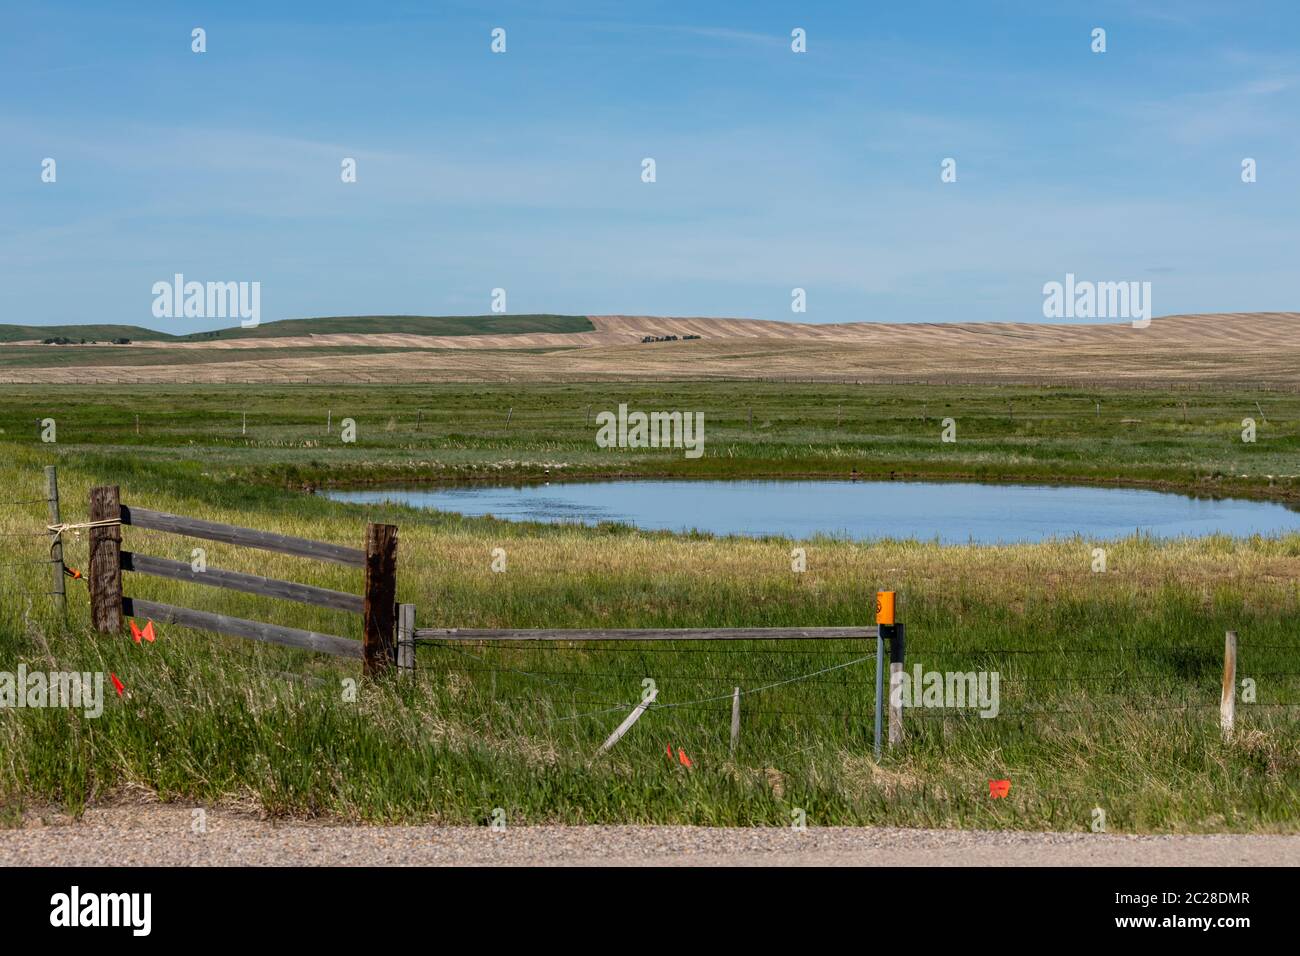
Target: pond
{"points": [[950, 512]]}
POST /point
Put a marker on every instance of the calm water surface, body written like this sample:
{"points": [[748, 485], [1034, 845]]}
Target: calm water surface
{"points": [[951, 512]]}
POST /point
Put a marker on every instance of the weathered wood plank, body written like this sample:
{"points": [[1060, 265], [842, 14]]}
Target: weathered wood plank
{"points": [[644, 634], [237, 581], [238, 627], [104, 576], [245, 537], [380, 612]]}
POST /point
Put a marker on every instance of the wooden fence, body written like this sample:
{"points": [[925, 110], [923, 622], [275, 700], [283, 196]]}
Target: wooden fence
{"points": [[389, 635], [377, 605], [389, 632]]}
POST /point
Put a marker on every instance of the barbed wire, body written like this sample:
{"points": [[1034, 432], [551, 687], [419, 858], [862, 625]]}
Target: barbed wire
{"points": [[712, 678], [690, 706], [755, 690], [512, 670], [705, 700]]}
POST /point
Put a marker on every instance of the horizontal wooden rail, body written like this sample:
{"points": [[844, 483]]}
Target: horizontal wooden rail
{"points": [[238, 627], [236, 581], [245, 537], [644, 634]]}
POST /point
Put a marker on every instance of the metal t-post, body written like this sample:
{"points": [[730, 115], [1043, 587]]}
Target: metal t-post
{"points": [[880, 686]]}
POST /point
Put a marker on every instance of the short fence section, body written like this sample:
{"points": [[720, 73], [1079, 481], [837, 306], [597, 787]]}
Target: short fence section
{"points": [[885, 631], [377, 605]]}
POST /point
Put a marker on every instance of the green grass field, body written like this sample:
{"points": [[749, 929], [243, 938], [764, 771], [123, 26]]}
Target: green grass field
{"points": [[1188, 440], [1110, 682]]}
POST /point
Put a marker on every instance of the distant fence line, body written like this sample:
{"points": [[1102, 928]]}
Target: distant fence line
{"points": [[277, 379]]}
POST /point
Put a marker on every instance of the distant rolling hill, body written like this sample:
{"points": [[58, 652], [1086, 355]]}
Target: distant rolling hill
{"points": [[330, 325], [91, 333], [1256, 348]]}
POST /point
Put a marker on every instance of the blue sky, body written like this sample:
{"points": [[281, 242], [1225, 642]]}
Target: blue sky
{"points": [[522, 170]]}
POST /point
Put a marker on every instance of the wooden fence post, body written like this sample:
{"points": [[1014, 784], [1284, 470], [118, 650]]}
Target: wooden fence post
{"points": [[406, 640], [1228, 697], [735, 719], [105, 572], [380, 608], [56, 544]]}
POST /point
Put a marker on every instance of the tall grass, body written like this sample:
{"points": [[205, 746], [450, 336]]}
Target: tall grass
{"points": [[1109, 681], [432, 433]]}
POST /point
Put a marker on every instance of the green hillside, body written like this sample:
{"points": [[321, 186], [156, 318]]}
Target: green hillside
{"points": [[406, 325], [330, 325], [91, 333]]}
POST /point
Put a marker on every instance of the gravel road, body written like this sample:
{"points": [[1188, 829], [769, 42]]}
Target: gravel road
{"points": [[155, 835]]}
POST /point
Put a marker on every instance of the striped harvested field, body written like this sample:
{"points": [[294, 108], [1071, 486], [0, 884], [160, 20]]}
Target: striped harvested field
{"points": [[1260, 348]]}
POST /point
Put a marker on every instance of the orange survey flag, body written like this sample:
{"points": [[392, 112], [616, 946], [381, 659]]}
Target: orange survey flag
{"points": [[147, 633]]}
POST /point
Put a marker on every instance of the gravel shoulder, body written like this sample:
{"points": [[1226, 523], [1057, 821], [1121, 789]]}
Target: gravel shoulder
{"points": [[156, 835]]}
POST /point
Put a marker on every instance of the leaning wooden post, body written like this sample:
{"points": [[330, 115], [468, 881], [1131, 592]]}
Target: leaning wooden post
{"points": [[104, 574], [56, 543], [380, 608], [406, 640], [1228, 697]]}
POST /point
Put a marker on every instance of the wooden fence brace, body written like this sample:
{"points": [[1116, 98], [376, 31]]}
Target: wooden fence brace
{"points": [[56, 544], [1228, 697], [378, 640], [242, 537], [406, 640], [735, 719], [238, 581], [239, 627], [104, 574]]}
